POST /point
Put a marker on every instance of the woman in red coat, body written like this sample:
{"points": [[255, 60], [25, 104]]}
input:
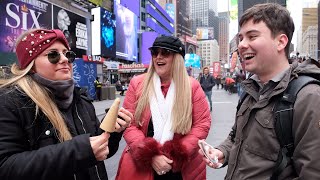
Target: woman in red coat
{"points": [[170, 115]]}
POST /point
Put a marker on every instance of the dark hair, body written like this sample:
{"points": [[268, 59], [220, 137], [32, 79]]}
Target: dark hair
{"points": [[276, 17]]}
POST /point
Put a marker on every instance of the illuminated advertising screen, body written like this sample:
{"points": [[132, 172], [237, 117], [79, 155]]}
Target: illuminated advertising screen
{"points": [[205, 33], [147, 39], [132, 5], [126, 34], [170, 10], [73, 27], [192, 60], [108, 33], [17, 16]]}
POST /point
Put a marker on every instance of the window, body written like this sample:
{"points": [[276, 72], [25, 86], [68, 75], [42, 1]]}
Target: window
{"points": [[143, 16], [143, 3]]}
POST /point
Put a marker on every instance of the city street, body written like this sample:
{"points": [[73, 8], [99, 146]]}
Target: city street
{"points": [[224, 107]]}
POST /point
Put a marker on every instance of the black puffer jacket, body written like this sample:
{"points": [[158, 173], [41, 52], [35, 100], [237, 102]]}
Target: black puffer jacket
{"points": [[29, 147]]}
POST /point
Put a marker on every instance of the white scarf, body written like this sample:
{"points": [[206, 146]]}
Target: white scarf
{"points": [[161, 111]]}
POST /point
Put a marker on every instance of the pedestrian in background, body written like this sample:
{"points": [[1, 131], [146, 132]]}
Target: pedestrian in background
{"points": [[207, 83], [252, 148], [98, 86], [218, 81], [120, 88], [48, 129], [170, 116], [240, 76]]}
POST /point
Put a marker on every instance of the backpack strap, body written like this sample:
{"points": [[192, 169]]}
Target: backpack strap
{"points": [[283, 114]]}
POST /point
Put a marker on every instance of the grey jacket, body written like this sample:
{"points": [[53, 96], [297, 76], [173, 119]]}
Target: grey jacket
{"points": [[254, 153]]}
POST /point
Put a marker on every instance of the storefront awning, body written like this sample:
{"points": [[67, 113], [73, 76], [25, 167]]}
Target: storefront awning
{"points": [[140, 70]]}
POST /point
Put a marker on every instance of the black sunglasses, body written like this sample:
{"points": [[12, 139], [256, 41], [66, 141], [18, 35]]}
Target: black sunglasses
{"points": [[164, 52], [54, 56]]}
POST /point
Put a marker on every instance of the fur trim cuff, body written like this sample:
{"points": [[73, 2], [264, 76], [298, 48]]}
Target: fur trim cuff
{"points": [[143, 152], [177, 152]]}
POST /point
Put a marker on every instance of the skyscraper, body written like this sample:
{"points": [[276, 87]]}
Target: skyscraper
{"points": [[201, 13], [243, 5]]}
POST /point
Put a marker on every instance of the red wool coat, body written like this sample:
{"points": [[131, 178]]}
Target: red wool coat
{"points": [[135, 162]]}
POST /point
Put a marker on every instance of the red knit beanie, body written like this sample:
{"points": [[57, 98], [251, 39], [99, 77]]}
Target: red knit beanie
{"points": [[34, 43]]}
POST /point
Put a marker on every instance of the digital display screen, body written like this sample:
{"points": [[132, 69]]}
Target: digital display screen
{"points": [[147, 40], [192, 60], [108, 33], [126, 34]]}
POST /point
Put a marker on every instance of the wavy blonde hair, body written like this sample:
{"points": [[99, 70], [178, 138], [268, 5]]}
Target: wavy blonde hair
{"points": [[39, 95], [182, 108]]}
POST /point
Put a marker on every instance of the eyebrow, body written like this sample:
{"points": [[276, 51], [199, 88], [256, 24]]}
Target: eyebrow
{"points": [[250, 31]]}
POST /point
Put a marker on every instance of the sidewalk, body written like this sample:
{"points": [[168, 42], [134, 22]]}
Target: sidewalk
{"points": [[100, 106]]}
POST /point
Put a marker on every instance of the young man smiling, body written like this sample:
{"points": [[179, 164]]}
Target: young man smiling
{"points": [[252, 148]]}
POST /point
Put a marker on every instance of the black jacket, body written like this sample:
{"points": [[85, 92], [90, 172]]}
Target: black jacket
{"points": [[29, 147], [207, 83]]}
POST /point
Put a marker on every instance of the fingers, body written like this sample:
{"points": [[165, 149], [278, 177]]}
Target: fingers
{"points": [[124, 121], [99, 145], [125, 114], [161, 164], [169, 161]]}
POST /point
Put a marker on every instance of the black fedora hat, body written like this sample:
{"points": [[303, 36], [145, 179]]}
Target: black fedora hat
{"points": [[169, 42]]}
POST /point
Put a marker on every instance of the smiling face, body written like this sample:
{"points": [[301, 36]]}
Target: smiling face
{"points": [[162, 60], [262, 53], [59, 71]]}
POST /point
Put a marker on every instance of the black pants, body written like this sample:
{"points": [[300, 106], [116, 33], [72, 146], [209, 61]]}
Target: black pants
{"points": [[98, 93], [168, 176]]}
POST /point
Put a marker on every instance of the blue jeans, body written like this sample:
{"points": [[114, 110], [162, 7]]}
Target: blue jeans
{"points": [[239, 89], [209, 94]]}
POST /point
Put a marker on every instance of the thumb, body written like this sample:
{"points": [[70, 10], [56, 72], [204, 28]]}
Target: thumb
{"points": [[169, 161]]}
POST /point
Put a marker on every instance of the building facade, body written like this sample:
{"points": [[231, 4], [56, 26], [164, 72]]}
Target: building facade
{"points": [[243, 5], [223, 36], [209, 52]]}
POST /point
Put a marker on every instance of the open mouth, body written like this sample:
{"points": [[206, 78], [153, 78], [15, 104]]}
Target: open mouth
{"points": [[248, 56], [161, 63]]}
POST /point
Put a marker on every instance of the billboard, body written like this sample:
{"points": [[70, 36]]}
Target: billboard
{"points": [[84, 74], [17, 16], [73, 27], [108, 33], [205, 33], [170, 10], [216, 69], [132, 5], [147, 39], [126, 34], [192, 60]]}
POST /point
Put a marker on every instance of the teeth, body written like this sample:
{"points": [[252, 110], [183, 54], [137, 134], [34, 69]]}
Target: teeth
{"points": [[248, 56]]}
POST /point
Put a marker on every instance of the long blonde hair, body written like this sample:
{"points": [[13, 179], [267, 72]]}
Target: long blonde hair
{"points": [[182, 108], [39, 95]]}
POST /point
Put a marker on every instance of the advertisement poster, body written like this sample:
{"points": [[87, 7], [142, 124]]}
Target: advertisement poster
{"points": [[205, 33], [73, 27], [17, 16], [192, 60], [126, 34], [108, 34], [170, 10], [84, 74], [216, 69]]}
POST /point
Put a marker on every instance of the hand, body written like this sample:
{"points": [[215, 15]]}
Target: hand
{"points": [[161, 164], [213, 152], [124, 121], [99, 145]]}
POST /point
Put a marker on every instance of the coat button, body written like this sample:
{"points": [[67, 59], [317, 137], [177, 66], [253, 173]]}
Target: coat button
{"points": [[47, 132], [266, 121]]}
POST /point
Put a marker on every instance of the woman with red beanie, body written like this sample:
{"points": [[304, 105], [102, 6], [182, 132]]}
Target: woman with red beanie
{"points": [[48, 129]]}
